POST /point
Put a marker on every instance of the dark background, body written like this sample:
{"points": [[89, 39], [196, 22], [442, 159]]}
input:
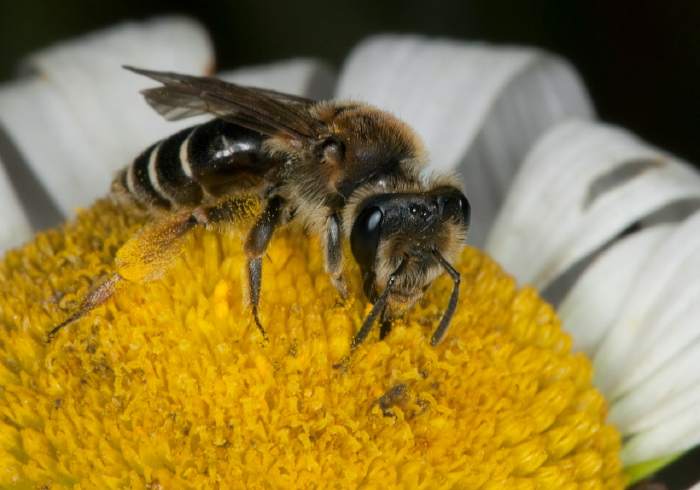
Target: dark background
{"points": [[639, 59]]}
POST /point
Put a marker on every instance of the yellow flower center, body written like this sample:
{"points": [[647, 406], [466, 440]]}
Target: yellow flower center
{"points": [[168, 385]]}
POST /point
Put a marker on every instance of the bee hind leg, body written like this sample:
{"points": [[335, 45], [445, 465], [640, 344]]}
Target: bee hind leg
{"points": [[142, 258], [95, 298], [152, 251]]}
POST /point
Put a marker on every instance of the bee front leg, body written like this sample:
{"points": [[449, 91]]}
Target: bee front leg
{"points": [[334, 259], [255, 246], [452, 305], [377, 309], [385, 326]]}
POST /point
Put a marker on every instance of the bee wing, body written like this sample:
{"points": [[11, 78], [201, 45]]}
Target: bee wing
{"points": [[267, 111]]}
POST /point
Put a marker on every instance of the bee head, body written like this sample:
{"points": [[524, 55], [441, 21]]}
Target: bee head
{"points": [[390, 229]]}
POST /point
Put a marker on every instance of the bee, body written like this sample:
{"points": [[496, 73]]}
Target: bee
{"points": [[346, 171]]}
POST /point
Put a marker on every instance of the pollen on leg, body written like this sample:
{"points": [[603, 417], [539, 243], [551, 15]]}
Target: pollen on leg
{"points": [[153, 250], [170, 384]]}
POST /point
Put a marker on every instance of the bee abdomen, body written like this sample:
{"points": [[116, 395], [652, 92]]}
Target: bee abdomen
{"points": [[181, 169]]}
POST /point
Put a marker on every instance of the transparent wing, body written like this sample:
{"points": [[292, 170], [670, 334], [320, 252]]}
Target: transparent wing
{"points": [[267, 111]]}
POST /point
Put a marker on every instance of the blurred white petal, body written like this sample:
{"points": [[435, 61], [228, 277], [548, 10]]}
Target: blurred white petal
{"points": [[302, 76], [14, 224], [659, 318], [478, 108], [675, 436], [582, 185], [669, 393], [163, 42], [635, 313], [606, 283], [76, 117]]}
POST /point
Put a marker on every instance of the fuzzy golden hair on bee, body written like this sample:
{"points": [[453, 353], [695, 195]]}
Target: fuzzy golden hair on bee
{"points": [[346, 171]]}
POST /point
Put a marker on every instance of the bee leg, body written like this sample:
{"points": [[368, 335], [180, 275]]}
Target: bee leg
{"points": [[142, 258], [452, 305], [385, 327], [378, 308], [152, 251], [334, 260], [95, 298], [255, 246]]}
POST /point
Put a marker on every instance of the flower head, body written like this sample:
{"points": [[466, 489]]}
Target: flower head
{"points": [[170, 384]]}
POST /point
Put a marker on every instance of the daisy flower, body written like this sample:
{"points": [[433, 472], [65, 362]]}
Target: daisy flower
{"points": [[167, 384]]}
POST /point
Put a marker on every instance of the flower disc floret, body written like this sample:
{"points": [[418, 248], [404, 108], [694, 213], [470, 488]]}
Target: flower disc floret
{"points": [[169, 385]]}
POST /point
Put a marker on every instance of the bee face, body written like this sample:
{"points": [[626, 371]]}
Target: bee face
{"points": [[408, 230]]}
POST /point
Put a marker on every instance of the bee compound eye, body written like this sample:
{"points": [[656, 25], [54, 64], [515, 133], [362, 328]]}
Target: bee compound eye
{"points": [[457, 207], [466, 211], [365, 234]]}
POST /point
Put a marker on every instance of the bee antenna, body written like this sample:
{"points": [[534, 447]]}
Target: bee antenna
{"points": [[452, 305]]}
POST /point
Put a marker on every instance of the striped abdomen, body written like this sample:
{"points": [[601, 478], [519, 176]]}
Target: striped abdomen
{"points": [[213, 159]]}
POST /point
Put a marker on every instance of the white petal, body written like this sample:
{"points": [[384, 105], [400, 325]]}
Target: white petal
{"points": [[302, 76], [665, 395], [478, 107], [659, 320], [594, 302], [695, 487], [644, 336], [78, 117], [580, 187], [169, 42], [678, 435], [14, 224]]}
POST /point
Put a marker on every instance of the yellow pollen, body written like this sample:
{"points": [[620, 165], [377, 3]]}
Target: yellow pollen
{"points": [[168, 386]]}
